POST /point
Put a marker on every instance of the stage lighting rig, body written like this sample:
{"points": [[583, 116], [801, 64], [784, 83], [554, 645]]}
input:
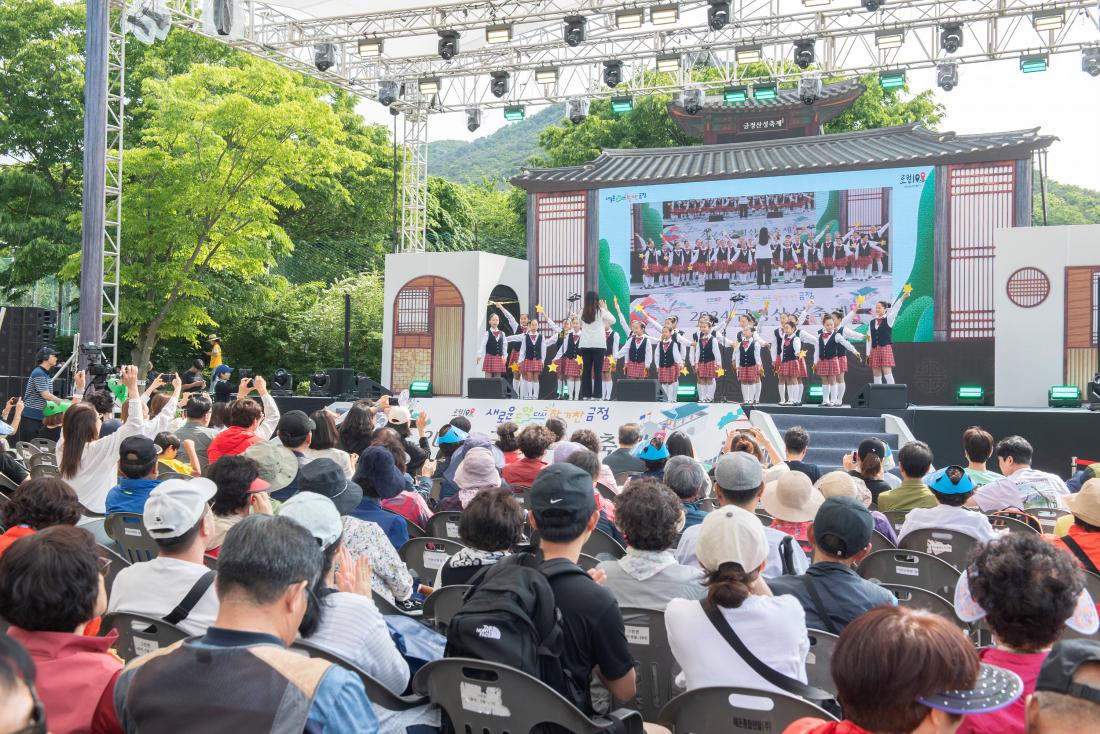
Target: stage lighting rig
{"points": [[612, 73], [947, 76], [718, 14], [1090, 60], [501, 83], [692, 100], [574, 30], [448, 44], [872, 5], [388, 92], [370, 47], [951, 37], [804, 53], [324, 56], [473, 118], [810, 88], [282, 383], [576, 109]]}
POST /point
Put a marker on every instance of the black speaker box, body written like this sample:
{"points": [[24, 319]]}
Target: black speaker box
{"points": [[819, 281], [340, 381], [638, 391], [716, 284], [889, 397], [489, 388], [370, 389], [25, 330]]}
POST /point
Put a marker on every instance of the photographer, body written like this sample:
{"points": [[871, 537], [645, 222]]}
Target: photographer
{"points": [[192, 379]]}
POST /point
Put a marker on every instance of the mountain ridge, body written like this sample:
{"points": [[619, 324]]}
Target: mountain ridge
{"points": [[497, 156]]}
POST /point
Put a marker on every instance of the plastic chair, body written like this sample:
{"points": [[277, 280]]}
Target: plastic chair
{"points": [[166, 475], [117, 564], [140, 635], [90, 513], [947, 545], [443, 525], [765, 519], [880, 542], [37, 459], [520, 493], [378, 694], [414, 530], [442, 604], [1092, 583], [818, 673], [588, 562], [709, 504], [425, 556], [1048, 517], [7, 485], [606, 492], [600, 542], [489, 698], [917, 598], [896, 518], [1011, 524], [41, 471], [910, 568], [26, 450], [653, 661], [127, 529], [707, 710], [210, 561], [45, 445], [624, 476]]}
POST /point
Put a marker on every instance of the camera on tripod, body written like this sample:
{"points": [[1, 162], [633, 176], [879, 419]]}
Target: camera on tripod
{"points": [[96, 366]]}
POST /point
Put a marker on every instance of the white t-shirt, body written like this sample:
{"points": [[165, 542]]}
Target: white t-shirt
{"points": [[946, 517], [1025, 488], [593, 336], [685, 552], [154, 588], [773, 628]]}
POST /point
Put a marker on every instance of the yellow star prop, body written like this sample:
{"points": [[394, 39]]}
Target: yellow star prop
{"points": [[691, 267], [578, 360], [907, 289], [683, 370], [553, 367], [720, 371], [802, 353], [860, 300], [638, 307], [538, 308], [766, 302], [612, 362], [515, 366]]}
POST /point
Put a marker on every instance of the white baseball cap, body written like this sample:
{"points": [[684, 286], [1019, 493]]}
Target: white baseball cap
{"points": [[176, 505], [731, 535], [317, 514]]}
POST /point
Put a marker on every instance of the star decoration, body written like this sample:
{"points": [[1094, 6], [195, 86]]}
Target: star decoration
{"points": [[720, 371], [638, 307], [860, 300], [538, 308], [515, 366], [553, 367], [578, 360], [766, 302], [802, 354], [907, 289], [612, 362], [683, 370], [691, 267]]}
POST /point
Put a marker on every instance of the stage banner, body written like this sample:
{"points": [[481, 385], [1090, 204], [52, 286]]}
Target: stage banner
{"points": [[706, 424]]}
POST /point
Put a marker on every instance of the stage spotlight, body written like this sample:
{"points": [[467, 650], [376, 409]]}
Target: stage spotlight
{"points": [[951, 37], [1033, 63], [749, 55], [388, 92], [622, 105], [428, 86], [370, 47], [613, 73], [576, 109], [514, 113], [1064, 396], [324, 56], [735, 95], [692, 100], [765, 91], [814, 395], [886, 40], [810, 88], [498, 33], [473, 118], [318, 385], [282, 383], [970, 395], [1048, 20], [420, 389], [629, 19], [872, 5], [892, 79], [574, 30], [804, 53], [947, 76], [1090, 60], [547, 75], [687, 393], [448, 44], [668, 64], [718, 14], [664, 14], [500, 84], [815, 3]]}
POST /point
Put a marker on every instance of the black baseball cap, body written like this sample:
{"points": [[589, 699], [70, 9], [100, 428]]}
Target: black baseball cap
{"points": [[872, 446], [842, 527], [45, 353], [562, 488], [325, 477], [137, 451], [295, 424], [1061, 665]]}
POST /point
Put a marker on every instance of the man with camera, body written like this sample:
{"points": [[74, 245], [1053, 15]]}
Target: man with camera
{"points": [[37, 393]]}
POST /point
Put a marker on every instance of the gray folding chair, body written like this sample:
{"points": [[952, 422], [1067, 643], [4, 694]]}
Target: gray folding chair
{"points": [[880, 542], [140, 635], [166, 475], [378, 694], [624, 476], [948, 545], [1011, 524], [917, 598], [520, 493], [765, 519], [443, 525], [7, 486], [818, 673], [41, 471], [896, 518], [210, 561], [1048, 517], [606, 492], [45, 445], [128, 530], [434, 492], [425, 556], [910, 568], [489, 698], [600, 542], [442, 604], [37, 459], [709, 504], [653, 661], [588, 562], [117, 564], [707, 710], [1092, 584], [26, 450]]}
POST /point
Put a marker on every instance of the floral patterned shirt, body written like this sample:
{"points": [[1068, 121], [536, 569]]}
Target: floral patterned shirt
{"points": [[391, 577]]}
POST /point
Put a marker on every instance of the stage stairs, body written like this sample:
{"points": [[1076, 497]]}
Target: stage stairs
{"points": [[832, 436]]}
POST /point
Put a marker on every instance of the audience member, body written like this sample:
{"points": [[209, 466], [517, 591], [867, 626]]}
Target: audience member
{"points": [[842, 484], [679, 444], [357, 428], [51, 588], [792, 501], [265, 571], [175, 586], [379, 478], [589, 440], [577, 455], [325, 437], [223, 391], [19, 707], [952, 487], [831, 593], [733, 551], [651, 517], [197, 428], [219, 418], [1026, 591], [170, 446], [622, 459], [490, 527], [867, 465], [449, 440], [739, 481], [137, 463], [914, 461], [240, 492], [687, 478], [654, 455], [533, 440], [507, 443], [192, 380], [278, 467], [409, 502], [419, 450], [104, 403], [557, 429], [905, 671], [53, 414], [796, 441], [36, 505], [476, 473], [247, 421], [978, 447], [1067, 692], [1083, 537], [1022, 487]]}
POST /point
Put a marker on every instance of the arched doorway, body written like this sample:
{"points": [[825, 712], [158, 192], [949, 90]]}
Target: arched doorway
{"points": [[428, 335], [506, 297]]}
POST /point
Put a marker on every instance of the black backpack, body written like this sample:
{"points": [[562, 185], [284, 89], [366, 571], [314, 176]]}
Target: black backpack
{"points": [[510, 617]]}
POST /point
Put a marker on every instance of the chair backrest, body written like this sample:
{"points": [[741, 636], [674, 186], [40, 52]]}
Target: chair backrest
{"points": [[435, 491], [128, 530], [443, 525], [880, 542], [385, 606], [654, 664], [7, 485], [896, 518], [917, 598], [414, 530], [378, 694], [210, 561], [166, 475], [442, 604], [948, 545], [818, 673], [489, 698], [706, 710], [140, 635], [606, 492], [90, 513], [765, 519], [600, 542], [1011, 524], [117, 564], [425, 556], [520, 493], [1048, 516], [709, 504], [1092, 584], [624, 476], [26, 450], [588, 562], [36, 459], [39, 471], [44, 444], [910, 568]]}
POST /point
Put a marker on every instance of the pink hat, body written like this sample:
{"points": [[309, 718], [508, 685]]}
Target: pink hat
{"points": [[478, 470]]}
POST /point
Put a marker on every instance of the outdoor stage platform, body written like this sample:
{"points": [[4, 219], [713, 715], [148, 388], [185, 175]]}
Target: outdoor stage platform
{"points": [[1057, 434]]}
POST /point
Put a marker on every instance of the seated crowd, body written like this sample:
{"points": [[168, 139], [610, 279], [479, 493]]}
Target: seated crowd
{"points": [[292, 554]]}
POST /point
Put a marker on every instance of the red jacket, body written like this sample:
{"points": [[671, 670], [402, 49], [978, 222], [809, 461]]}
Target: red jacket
{"points": [[230, 442], [12, 535], [820, 726]]}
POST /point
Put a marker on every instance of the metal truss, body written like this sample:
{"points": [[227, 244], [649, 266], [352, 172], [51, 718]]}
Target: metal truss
{"points": [[112, 209], [414, 180]]}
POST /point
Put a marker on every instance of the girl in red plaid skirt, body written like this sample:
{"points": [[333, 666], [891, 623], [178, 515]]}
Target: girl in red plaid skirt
{"points": [[636, 354], [569, 366], [651, 262], [611, 350], [669, 360], [532, 355], [851, 335], [881, 358], [706, 358], [791, 366], [490, 353], [748, 359], [828, 356]]}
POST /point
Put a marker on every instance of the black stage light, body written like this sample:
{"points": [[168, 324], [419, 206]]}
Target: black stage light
{"points": [[718, 14], [612, 73], [388, 92], [577, 109], [448, 44], [473, 118], [951, 37], [574, 30], [500, 84], [804, 53], [324, 56]]}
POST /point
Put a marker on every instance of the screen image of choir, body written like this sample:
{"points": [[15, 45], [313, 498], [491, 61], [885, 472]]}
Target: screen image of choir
{"points": [[745, 207], [671, 354]]}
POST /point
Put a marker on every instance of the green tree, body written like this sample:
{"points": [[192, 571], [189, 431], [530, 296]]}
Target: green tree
{"points": [[1066, 204], [878, 107], [450, 216], [498, 224]]}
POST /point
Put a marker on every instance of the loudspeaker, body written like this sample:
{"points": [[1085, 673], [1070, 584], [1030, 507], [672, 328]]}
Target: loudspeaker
{"points": [[369, 389], [819, 281], [340, 381], [716, 284], [489, 388], [874, 395], [25, 330], [638, 391]]}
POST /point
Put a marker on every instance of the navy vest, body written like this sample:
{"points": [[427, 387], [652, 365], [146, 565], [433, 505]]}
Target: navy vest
{"points": [[788, 349], [665, 355], [706, 349], [637, 350], [827, 349], [881, 333], [495, 346], [746, 353], [570, 351], [610, 343], [532, 349]]}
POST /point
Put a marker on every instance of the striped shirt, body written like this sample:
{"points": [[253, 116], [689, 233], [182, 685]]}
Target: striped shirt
{"points": [[33, 402]]}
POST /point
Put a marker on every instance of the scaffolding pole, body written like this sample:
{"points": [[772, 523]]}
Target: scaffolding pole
{"points": [[414, 180]]}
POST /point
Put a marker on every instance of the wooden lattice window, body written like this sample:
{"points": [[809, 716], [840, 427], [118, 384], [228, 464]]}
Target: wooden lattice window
{"points": [[413, 310]]}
